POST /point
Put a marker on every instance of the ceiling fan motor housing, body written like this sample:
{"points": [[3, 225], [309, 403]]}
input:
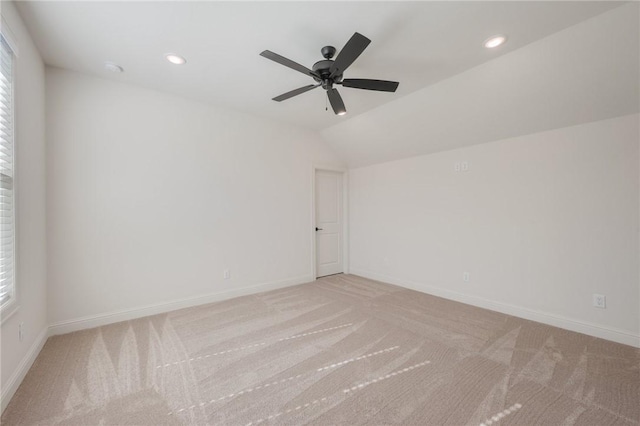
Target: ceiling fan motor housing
{"points": [[323, 68]]}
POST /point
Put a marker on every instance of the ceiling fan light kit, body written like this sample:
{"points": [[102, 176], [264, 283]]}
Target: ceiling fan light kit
{"points": [[328, 73]]}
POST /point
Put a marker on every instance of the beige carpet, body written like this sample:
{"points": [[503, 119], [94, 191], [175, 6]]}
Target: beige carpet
{"points": [[342, 350]]}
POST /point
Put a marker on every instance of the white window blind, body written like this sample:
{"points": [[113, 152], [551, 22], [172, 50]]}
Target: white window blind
{"points": [[7, 228]]}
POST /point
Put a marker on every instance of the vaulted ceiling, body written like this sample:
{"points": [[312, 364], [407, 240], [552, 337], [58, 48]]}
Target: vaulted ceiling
{"points": [[584, 73], [416, 43]]}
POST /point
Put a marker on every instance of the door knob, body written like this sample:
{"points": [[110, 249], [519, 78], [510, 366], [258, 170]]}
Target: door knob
{"points": [[318, 229]]}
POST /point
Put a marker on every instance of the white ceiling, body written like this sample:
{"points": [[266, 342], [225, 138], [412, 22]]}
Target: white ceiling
{"points": [[585, 73], [416, 43]]}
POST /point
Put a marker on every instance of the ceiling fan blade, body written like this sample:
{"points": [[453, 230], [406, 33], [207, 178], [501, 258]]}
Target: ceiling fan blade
{"points": [[336, 102], [295, 92], [363, 83], [349, 53], [288, 63]]}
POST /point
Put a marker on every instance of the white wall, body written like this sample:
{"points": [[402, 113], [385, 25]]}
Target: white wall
{"points": [[541, 222], [30, 210], [152, 196]]}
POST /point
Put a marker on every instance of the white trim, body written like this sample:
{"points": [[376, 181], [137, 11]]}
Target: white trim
{"points": [[159, 308], [5, 29], [345, 221], [18, 375], [607, 333], [13, 305], [345, 215], [8, 310]]}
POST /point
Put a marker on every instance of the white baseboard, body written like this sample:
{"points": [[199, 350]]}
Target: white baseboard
{"points": [[159, 308], [607, 333], [16, 378]]}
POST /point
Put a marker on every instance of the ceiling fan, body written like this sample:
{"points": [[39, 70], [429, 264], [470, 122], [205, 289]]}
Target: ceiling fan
{"points": [[327, 72]]}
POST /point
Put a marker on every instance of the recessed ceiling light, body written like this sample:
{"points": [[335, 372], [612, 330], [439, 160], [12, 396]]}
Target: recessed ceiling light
{"points": [[495, 41], [110, 66], [342, 112], [175, 59]]}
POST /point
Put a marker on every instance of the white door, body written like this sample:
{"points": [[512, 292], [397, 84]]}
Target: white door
{"points": [[328, 223]]}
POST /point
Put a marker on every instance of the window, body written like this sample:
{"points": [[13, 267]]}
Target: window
{"points": [[7, 228]]}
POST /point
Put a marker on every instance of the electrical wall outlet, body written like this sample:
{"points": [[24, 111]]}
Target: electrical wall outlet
{"points": [[600, 301], [465, 277], [227, 274], [21, 331], [461, 166]]}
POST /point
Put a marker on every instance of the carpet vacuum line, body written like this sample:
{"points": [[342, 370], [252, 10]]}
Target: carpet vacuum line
{"points": [[346, 391], [502, 414], [297, 336], [288, 379]]}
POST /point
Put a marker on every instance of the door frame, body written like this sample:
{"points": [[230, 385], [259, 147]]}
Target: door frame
{"points": [[345, 215]]}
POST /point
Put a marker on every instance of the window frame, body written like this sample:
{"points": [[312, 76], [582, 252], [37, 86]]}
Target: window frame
{"points": [[11, 306]]}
